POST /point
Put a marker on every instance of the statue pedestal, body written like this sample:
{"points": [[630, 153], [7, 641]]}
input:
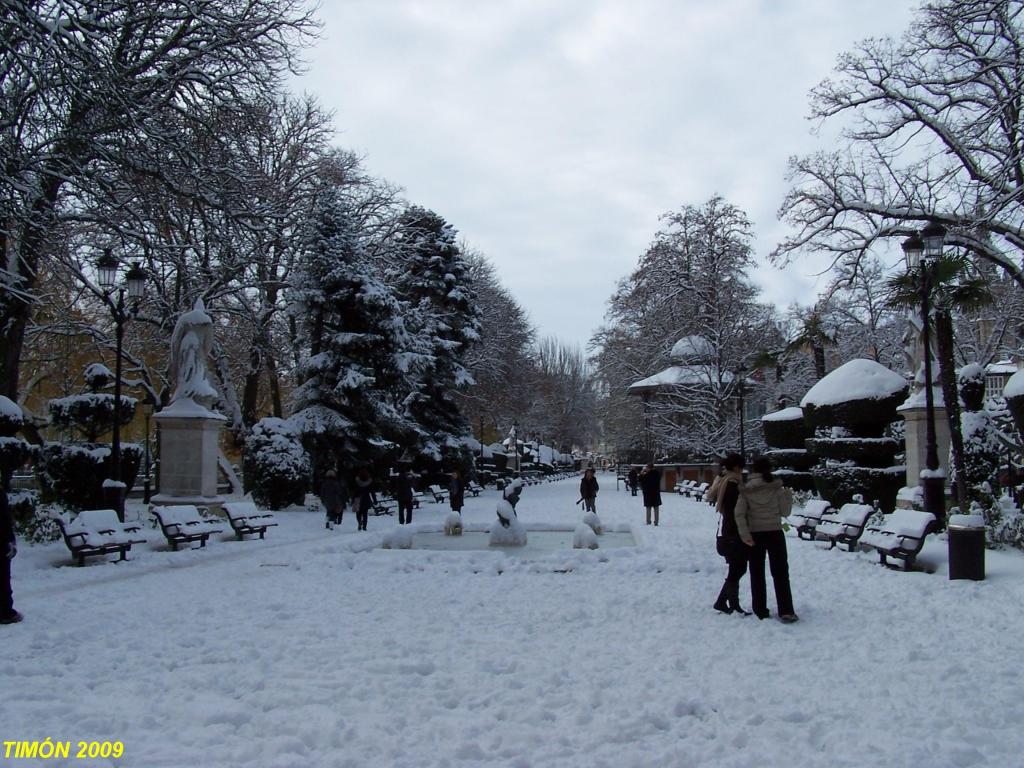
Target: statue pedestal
{"points": [[189, 447], [916, 434]]}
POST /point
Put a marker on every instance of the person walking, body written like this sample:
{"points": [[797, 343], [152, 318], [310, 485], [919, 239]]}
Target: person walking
{"points": [[650, 484], [724, 493], [588, 490], [404, 493], [364, 498], [456, 492], [332, 496], [632, 481], [759, 512], [8, 549]]}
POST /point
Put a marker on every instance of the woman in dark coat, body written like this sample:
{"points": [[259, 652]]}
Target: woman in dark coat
{"points": [[8, 549], [456, 492], [364, 498], [333, 497], [404, 493], [726, 493], [650, 484], [631, 480], [588, 490]]}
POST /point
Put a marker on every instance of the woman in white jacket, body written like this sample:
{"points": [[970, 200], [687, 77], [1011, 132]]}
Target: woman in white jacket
{"points": [[759, 512]]}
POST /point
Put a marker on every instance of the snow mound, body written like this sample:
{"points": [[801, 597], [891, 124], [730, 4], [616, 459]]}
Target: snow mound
{"points": [[856, 380], [514, 535], [594, 522], [584, 537], [453, 524], [1015, 386], [399, 537]]}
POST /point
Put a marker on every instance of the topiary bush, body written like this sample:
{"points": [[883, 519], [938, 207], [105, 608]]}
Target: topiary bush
{"points": [[861, 396], [785, 428], [1014, 394], [865, 451], [840, 483], [278, 467], [32, 521]]}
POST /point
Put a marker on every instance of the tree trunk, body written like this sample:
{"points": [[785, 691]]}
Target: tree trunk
{"points": [[951, 395]]}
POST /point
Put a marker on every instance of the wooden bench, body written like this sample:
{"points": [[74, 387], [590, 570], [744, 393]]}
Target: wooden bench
{"points": [[807, 519], [246, 519], [96, 532], [473, 489], [684, 487], [183, 524], [384, 505], [901, 536], [845, 526], [696, 491], [438, 494]]}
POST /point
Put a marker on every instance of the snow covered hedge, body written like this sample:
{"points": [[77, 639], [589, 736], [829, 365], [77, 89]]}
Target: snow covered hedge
{"points": [[92, 414], [72, 474], [839, 484], [861, 395], [785, 429], [276, 465]]}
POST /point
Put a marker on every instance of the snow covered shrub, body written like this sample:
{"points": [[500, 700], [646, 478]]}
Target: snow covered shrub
{"points": [[72, 474], [453, 524], [840, 483], [861, 396], [1004, 524], [584, 537], [1014, 394], [591, 519], [91, 414], [32, 522], [11, 417], [786, 434], [276, 464], [399, 537]]}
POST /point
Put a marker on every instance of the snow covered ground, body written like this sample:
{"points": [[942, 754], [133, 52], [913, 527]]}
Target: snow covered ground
{"points": [[314, 649]]}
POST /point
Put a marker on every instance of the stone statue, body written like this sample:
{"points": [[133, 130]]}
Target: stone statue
{"points": [[191, 343]]}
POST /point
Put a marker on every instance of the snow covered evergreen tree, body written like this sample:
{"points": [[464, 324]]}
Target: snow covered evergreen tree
{"points": [[347, 405], [435, 283]]}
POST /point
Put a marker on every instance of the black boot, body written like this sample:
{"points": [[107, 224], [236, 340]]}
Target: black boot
{"points": [[722, 603], [733, 601]]}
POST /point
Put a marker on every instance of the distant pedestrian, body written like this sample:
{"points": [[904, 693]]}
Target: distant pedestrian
{"points": [[759, 512], [724, 494], [364, 498], [588, 490], [8, 549], [404, 493], [333, 497], [632, 480], [456, 492], [650, 484]]}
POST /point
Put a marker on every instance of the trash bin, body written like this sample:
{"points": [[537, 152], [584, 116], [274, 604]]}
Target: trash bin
{"points": [[966, 536]]}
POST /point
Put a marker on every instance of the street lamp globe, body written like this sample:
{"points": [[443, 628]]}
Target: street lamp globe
{"points": [[106, 269], [934, 237], [136, 279], [913, 247]]}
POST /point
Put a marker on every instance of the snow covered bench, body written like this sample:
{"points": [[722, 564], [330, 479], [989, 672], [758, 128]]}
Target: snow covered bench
{"points": [[384, 505], [696, 491], [845, 526], [246, 519], [901, 536], [439, 494], [183, 523], [96, 532], [474, 489], [683, 488], [807, 519]]}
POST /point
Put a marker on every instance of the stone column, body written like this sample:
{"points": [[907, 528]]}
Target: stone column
{"points": [[189, 447], [916, 418]]}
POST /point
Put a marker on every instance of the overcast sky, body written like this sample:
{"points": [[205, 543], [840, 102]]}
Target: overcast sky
{"points": [[553, 133]]}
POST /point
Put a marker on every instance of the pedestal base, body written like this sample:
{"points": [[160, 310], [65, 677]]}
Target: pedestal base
{"points": [[189, 447]]}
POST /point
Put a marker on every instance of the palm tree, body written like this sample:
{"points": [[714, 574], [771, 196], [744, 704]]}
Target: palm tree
{"points": [[956, 286]]}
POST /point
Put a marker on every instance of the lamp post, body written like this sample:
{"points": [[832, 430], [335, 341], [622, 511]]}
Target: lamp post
{"points": [[741, 372], [121, 311], [922, 253], [147, 412]]}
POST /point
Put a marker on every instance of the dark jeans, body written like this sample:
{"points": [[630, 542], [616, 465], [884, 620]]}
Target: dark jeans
{"points": [[737, 562], [772, 544], [590, 505], [6, 597], [405, 512], [362, 516]]}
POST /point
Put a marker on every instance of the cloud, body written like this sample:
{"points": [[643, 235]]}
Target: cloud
{"points": [[553, 135]]}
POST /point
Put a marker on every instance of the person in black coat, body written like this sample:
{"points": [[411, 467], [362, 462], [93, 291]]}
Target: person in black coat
{"points": [[8, 549], [632, 481], [364, 498], [456, 492], [588, 490], [404, 492], [726, 492], [333, 497], [650, 484]]}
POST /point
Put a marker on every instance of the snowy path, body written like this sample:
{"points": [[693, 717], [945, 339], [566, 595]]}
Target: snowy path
{"points": [[304, 651]]}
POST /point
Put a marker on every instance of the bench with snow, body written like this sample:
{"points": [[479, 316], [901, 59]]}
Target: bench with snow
{"points": [[901, 536], [807, 519], [96, 532], [682, 488], [438, 494], [696, 491], [473, 489], [183, 524], [845, 526], [246, 519], [384, 505]]}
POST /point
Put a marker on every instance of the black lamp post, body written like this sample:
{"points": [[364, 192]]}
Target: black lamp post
{"points": [[121, 311], [922, 253], [741, 372], [147, 412]]}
